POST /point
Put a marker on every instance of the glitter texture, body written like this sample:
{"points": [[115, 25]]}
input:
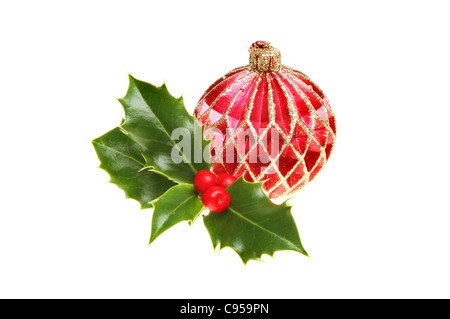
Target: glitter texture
{"points": [[264, 57], [269, 123]]}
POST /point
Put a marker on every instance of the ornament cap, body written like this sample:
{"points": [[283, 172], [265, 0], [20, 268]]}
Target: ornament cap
{"points": [[264, 57]]}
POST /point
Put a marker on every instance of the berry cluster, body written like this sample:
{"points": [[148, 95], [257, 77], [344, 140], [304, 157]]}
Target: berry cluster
{"points": [[212, 189]]}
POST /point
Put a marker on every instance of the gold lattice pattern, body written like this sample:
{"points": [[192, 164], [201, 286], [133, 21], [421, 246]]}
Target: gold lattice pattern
{"points": [[261, 105]]}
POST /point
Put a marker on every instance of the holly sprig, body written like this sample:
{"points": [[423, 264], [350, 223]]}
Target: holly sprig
{"points": [[138, 156]]}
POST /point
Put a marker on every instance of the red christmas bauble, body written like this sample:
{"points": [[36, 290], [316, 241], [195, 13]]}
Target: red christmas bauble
{"points": [[268, 122]]}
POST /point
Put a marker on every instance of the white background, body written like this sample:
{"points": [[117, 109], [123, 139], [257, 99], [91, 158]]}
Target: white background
{"points": [[375, 221]]}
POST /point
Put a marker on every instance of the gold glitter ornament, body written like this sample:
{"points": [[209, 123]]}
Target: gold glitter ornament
{"points": [[268, 122]]}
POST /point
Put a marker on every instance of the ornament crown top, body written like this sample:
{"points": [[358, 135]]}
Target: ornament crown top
{"points": [[264, 57]]}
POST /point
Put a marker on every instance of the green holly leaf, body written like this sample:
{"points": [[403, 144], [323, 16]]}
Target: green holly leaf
{"points": [[120, 157], [171, 140], [154, 155], [180, 203], [253, 225]]}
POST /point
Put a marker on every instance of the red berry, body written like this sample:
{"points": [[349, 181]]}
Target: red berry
{"points": [[203, 180], [225, 180], [216, 199]]}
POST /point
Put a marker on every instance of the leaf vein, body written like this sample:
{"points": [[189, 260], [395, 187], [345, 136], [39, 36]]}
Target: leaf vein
{"points": [[174, 210], [264, 229], [166, 132], [122, 154]]}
